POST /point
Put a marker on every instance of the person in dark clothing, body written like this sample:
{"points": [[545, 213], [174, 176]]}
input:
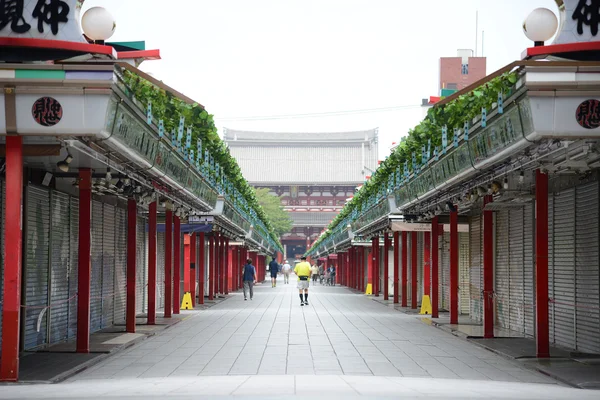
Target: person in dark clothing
{"points": [[249, 276], [274, 270]]}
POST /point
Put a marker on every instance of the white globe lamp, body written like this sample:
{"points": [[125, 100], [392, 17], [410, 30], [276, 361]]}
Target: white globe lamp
{"points": [[540, 26], [98, 24]]}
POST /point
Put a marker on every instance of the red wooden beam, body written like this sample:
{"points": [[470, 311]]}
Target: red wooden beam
{"points": [[396, 267], [427, 264], [176, 265], [202, 266], [84, 271], [11, 308], [413, 279], [152, 263], [435, 287], [541, 265], [386, 269], [404, 268], [131, 264], [211, 267], [192, 288], [376, 266], [227, 264], [168, 263]]}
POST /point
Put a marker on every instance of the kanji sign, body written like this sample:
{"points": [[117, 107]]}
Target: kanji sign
{"points": [[588, 114], [41, 19], [47, 111]]}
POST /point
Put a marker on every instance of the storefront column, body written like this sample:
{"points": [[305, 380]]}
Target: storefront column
{"points": [[192, 287], [13, 227], [454, 267], [168, 263], [435, 288], [426, 263], [396, 281], [84, 270], [176, 265], [227, 258], [375, 258], [488, 271], [131, 264], [217, 264], [201, 266], [211, 266], [152, 263], [541, 265], [386, 269], [404, 268], [414, 257]]}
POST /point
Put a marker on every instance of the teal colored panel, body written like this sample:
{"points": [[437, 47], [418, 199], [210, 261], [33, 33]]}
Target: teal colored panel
{"points": [[139, 45], [39, 74], [448, 92]]}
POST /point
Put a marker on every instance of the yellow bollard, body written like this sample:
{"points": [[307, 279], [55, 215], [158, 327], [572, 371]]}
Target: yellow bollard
{"points": [[426, 305], [186, 304], [369, 290]]}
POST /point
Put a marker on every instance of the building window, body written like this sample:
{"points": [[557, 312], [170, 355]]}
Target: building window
{"points": [[452, 86], [464, 69]]}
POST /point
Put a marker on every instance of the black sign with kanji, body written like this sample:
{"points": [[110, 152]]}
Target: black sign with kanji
{"points": [[588, 114], [587, 13], [47, 111], [47, 12]]}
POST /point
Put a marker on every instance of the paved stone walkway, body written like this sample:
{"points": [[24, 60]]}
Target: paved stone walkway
{"points": [[339, 333]]}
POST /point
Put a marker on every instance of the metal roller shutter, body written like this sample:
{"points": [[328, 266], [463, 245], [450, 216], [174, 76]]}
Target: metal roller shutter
{"points": [[587, 279], [516, 243], [141, 267], [120, 265], [440, 271], [74, 266], [502, 270], [2, 253], [529, 269], [464, 291], [108, 266], [445, 271], [476, 268], [97, 264], [60, 247], [551, 310], [36, 267], [160, 270], [564, 269]]}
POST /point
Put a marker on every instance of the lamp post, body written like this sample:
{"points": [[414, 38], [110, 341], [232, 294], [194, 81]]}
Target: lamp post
{"points": [[540, 26]]}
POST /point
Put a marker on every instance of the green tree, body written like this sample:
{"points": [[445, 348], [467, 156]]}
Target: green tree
{"points": [[271, 204]]}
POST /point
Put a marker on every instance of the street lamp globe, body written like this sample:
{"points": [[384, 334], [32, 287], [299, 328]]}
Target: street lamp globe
{"points": [[98, 24], [540, 25]]}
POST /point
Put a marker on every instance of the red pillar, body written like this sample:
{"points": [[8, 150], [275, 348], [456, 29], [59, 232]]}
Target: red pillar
{"points": [[361, 269], [541, 266], [453, 267], [435, 287], [193, 268], [202, 266], [404, 268], [186, 263], [413, 279], [396, 267], [168, 263], [84, 269], [350, 282], [131, 264], [152, 264], [488, 271], [211, 267], [227, 266], [386, 270], [375, 257], [11, 309], [176, 265], [427, 263], [217, 263]]}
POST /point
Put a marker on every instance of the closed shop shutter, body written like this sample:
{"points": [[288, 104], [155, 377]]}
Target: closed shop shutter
{"points": [[141, 267], [74, 263], [563, 268], [445, 270], [120, 265], [502, 270], [464, 290], [2, 252], [160, 270], [97, 264], [60, 248], [36, 266], [587, 278], [440, 271], [529, 269], [476, 268], [108, 266], [551, 266], [516, 242]]}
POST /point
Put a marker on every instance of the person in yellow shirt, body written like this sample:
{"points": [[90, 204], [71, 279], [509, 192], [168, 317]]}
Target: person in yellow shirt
{"points": [[303, 271]]}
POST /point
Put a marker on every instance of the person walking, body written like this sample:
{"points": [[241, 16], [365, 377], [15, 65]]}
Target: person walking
{"points": [[249, 276], [287, 268], [303, 271], [274, 270], [332, 274], [321, 274], [315, 273]]}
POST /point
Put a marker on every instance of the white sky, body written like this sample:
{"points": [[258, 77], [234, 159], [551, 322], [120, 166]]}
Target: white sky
{"points": [[247, 58]]}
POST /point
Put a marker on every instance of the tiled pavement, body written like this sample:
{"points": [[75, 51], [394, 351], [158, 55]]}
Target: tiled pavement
{"points": [[339, 333]]}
